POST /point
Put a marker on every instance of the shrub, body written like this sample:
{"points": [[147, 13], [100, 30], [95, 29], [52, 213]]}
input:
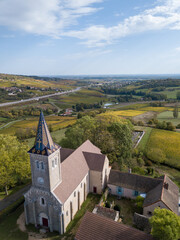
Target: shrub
{"points": [[138, 170], [140, 162], [107, 204], [117, 208]]}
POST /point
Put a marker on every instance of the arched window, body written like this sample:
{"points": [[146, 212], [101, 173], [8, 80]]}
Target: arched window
{"points": [[53, 165], [42, 165], [42, 201], [37, 164]]}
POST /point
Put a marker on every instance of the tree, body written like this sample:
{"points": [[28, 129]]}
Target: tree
{"points": [[175, 112], [14, 162], [111, 134], [165, 225], [178, 95]]}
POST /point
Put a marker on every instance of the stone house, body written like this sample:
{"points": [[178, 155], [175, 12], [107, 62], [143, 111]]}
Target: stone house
{"points": [[158, 192], [61, 180]]}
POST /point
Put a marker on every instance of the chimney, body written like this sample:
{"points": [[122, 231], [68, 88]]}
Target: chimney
{"points": [[166, 185], [130, 170]]}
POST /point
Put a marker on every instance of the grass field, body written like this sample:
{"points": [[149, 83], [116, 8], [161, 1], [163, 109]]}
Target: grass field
{"points": [[168, 116], [141, 146], [83, 96], [57, 136], [164, 147], [13, 80], [9, 229], [56, 123], [125, 113]]}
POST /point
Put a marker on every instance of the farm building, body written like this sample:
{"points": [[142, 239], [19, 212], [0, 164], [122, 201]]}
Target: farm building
{"points": [[158, 192]]}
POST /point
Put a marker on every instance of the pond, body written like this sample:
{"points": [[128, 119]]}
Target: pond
{"points": [[106, 105]]}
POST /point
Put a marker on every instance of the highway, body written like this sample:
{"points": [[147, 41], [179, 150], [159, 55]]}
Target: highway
{"points": [[40, 97]]}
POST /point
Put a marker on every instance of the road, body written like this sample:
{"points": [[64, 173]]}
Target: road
{"points": [[40, 97], [14, 197]]}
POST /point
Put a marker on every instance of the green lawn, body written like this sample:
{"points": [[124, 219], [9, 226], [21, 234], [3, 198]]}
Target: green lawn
{"points": [[9, 229], [168, 117], [142, 145]]}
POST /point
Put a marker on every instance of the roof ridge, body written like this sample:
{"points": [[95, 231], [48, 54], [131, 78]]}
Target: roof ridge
{"points": [[137, 175], [161, 198]]}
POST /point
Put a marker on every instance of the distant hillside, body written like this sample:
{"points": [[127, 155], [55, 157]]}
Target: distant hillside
{"points": [[8, 80]]}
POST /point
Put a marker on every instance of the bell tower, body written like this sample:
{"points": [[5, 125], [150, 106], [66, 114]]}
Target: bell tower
{"points": [[45, 159]]}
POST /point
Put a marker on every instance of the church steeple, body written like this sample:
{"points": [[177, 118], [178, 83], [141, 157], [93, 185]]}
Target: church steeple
{"points": [[43, 144]]}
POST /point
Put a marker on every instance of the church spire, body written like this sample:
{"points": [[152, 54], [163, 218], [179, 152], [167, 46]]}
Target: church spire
{"points": [[43, 144]]}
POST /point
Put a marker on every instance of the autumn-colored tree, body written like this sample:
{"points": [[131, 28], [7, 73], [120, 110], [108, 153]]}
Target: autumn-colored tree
{"points": [[14, 162]]}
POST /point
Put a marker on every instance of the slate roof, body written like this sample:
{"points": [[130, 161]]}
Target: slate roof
{"points": [[95, 161], [95, 227], [73, 169], [44, 144], [169, 197], [133, 181]]}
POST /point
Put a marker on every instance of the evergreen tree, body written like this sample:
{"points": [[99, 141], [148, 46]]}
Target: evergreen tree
{"points": [[175, 112]]}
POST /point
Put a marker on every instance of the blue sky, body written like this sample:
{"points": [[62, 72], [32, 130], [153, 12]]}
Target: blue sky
{"points": [[72, 37]]}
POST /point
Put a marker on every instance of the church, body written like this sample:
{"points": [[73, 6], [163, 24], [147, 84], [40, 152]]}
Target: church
{"points": [[61, 180]]}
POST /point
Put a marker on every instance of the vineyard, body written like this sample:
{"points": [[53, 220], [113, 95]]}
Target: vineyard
{"points": [[54, 123], [164, 147]]}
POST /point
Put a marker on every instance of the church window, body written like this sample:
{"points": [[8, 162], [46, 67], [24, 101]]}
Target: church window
{"points": [[55, 161], [42, 165], [66, 213], [81, 185], [75, 194], [42, 201], [37, 164], [53, 164]]}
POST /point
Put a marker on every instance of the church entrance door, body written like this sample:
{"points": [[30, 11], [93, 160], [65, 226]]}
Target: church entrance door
{"points": [[94, 189], [45, 222]]}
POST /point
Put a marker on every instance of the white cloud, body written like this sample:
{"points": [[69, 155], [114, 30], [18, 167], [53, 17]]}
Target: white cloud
{"points": [[164, 16], [44, 17], [55, 18], [178, 49]]}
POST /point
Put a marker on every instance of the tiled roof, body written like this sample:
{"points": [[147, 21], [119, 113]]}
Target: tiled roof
{"points": [[95, 161], [65, 152], [73, 169], [133, 181], [168, 195], [95, 227], [44, 144]]}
